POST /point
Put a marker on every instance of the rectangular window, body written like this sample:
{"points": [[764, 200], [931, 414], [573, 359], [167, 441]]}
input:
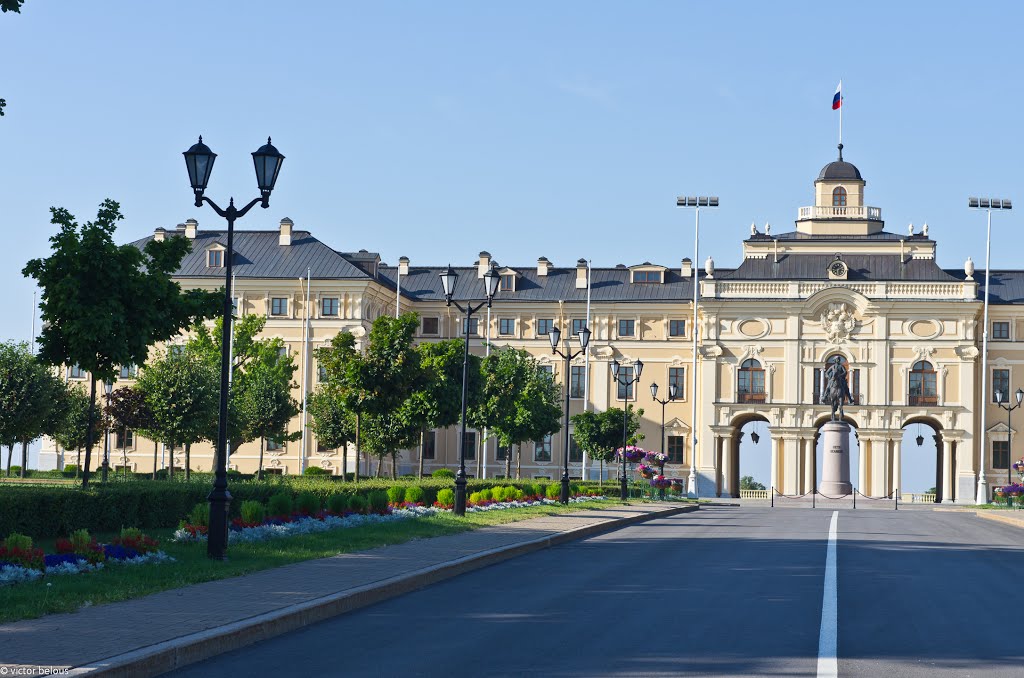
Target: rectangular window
{"points": [[273, 445], [474, 325], [1000, 454], [469, 445], [677, 376], [279, 306], [575, 451], [430, 445], [647, 276], [282, 352], [215, 258], [321, 373], [329, 306], [677, 328], [625, 383], [503, 452], [542, 449], [176, 350], [124, 439], [76, 372], [506, 326], [234, 305], [577, 374], [508, 283], [128, 372], [578, 325], [548, 370], [676, 449], [544, 326], [1001, 330], [431, 326], [322, 448], [627, 328], [1001, 382]]}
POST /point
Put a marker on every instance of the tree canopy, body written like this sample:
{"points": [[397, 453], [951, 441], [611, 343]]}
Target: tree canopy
{"points": [[599, 434]]}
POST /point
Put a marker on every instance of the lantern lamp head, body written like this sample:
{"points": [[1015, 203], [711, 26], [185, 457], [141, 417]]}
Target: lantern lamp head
{"points": [[448, 280], [554, 336], [199, 163], [268, 161], [584, 335]]}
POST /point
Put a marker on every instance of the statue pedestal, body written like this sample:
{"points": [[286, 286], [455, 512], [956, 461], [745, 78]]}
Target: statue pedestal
{"points": [[835, 467]]}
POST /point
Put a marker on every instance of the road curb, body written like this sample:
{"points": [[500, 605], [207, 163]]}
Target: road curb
{"points": [[173, 654], [988, 515]]}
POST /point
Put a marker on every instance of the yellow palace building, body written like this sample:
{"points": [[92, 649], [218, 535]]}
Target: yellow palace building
{"points": [[838, 284]]}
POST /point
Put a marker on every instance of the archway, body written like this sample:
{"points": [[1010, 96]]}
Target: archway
{"points": [[920, 469], [748, 454], [818, 446]]}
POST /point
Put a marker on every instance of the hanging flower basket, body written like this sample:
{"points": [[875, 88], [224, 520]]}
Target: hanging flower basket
{"points": [[660, 483], [645, 471], [677, 485], [632, 453], [656, 458]]}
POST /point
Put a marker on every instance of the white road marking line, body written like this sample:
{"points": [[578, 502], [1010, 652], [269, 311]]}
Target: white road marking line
{"points": [[828, 637]]}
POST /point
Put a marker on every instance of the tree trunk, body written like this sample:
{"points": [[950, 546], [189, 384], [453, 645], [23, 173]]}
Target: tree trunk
{"points": [[24, 458], [344, 461], [259, 469], [508, 464], [124, 450], [380, 465], [423, 440], [10, 453], [78, 461], [394, 466], [156, 459], [519, 459], [600, 479], [188, 461], [170, 466], [480, 457], [88, 433], [358, 460]]}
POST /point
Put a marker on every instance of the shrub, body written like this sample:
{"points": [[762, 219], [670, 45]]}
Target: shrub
{"points": [[529, 489], [200, 515], [486, 495], [307, 503], [280, 504], [540, 490], [18, 541], [396, 494], [71, 468], [446, 497], [315, 471], [414, 494], [357, 503], [518, 495], [15, 470], [443, 473], [554, 490], [337, 503], [574, 489], [253, 512], [474, 497], [378, 501]]}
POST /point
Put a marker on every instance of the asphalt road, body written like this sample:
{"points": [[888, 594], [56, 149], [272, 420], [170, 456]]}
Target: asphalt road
{"points": [[725, 591]]}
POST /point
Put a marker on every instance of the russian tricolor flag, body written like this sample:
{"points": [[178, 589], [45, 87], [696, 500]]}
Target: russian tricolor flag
{"points": [[837, 100]]}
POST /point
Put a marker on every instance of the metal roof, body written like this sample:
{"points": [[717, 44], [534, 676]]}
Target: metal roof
{"points": [[861, 267], [258, 255], [1007, 286], [797, 235]]}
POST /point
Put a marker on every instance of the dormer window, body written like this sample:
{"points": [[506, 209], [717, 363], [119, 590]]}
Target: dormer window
{"points": [[839, 197], [647, 276], [215, 258], [508, 283]]}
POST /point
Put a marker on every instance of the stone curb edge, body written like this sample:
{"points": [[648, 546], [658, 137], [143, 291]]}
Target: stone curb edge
{"points": [[988, 515], [195, 647]]}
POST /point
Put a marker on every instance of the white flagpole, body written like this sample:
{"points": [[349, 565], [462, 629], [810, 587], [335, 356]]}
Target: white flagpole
{"points": [[840, 111], [586, 375], [305, 370]]}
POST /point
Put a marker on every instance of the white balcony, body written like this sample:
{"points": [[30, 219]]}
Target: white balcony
{"points": [[816, 212]]}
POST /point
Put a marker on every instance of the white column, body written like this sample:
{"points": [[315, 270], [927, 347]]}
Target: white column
{"points": [[727, 466], [947, 471], [808, 451], [862, 468], [897, 463], [719, 481], [774, 480], [791, 467]]}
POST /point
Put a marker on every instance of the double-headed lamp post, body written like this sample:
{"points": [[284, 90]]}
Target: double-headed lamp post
{"points": [[1019, 396], [987, 204], [554, 335], [199, 161], [672, 392], [448, 280], [619, 376], [105, 468]]}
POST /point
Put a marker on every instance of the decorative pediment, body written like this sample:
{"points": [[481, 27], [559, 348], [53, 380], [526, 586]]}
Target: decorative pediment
{"points": [[677, 424], [838, 323], [677, 361]]}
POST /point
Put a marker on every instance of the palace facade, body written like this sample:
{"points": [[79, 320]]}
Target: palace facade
{"points": [[839, 284]]}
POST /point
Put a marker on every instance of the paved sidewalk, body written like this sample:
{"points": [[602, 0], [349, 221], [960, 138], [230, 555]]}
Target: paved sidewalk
{"points": [[166, 630]]}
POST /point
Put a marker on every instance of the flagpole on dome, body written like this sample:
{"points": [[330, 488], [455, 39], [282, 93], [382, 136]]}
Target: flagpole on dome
{"points": [[840, 110]]}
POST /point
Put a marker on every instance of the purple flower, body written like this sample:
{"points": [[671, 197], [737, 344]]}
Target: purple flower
{"points": [[56, 559]]}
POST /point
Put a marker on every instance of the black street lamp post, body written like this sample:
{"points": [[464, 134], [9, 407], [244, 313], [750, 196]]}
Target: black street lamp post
{"points": [[199, 161], [672, 392], [554, 335], [1019, 395], [448, 280], [619, 376], [105, 468]]}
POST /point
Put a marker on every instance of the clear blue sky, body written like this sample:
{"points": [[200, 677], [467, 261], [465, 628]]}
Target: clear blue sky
{"points": [[437, 129]]}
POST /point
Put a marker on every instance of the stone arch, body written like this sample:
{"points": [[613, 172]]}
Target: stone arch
{"points": [[944, 451], [750, 431]]}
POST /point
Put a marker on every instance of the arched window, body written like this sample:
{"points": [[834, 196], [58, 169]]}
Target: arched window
{"points": [[922, 384], [750, 385], [852, 378], [839, 197]]}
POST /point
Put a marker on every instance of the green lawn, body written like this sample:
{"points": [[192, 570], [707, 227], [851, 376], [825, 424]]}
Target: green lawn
{"points": [[66, 593]]}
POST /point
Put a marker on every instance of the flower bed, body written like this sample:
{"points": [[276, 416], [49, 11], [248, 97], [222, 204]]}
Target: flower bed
{"points": [[19, 561]]}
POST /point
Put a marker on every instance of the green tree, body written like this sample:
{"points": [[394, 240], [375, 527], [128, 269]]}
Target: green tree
{"points": [[333, 425], [599, 434], [438, 402], [126, 410], [338, 395], [266, 407], [71, 429], [104, 305], [384, 435], [519, 401], [748, 483], [183, 393], [11, 6], [30, 400]]}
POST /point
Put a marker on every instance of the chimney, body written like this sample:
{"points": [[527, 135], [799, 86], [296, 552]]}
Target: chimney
{"points": [[686, 270], [285, 237], [403, 265], [191, 226], [543, 266], [159, 234], [484, 264], [581, 274]]}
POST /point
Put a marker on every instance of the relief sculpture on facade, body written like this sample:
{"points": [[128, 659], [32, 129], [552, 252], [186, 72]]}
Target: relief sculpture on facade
{"points": [[838, 323]]}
